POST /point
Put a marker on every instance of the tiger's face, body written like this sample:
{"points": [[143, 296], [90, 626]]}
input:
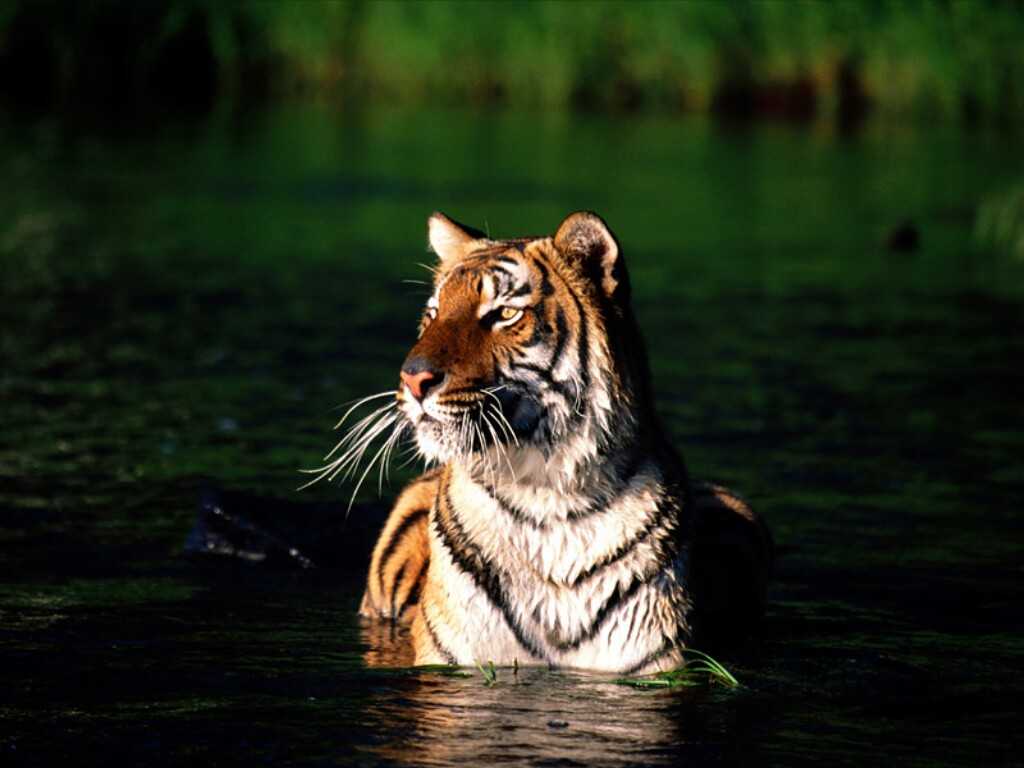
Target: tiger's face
{"points": [[513, 351]]}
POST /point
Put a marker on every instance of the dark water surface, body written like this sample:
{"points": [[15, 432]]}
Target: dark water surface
{"points": [[191, 301]]}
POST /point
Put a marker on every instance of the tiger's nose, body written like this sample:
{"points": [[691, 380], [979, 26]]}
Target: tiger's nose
{"points": [[420, 376]]}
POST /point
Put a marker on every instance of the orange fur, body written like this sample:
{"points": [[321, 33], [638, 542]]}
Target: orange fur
{"points": [[398, 567]]}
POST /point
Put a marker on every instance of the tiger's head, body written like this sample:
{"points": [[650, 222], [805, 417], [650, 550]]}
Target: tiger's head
{"points": [[527, 349]]}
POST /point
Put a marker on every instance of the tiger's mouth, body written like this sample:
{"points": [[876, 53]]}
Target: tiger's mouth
{"points": [[446, 428]]}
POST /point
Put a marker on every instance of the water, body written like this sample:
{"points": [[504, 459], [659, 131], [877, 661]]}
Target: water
{"points": [[188, 302]]}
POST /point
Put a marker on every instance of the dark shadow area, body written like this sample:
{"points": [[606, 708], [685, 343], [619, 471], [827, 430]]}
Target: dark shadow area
{"points": [[284, 534], [106, 56]]}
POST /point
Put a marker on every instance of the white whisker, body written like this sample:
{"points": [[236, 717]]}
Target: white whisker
{"points": [[388, 393], [496, 443], [362, 432], [501, 414], [358, 428], [503, 422], [393, 440], [362, 477], [431, 269], [503, 449], [351, 466], [353, 445]]}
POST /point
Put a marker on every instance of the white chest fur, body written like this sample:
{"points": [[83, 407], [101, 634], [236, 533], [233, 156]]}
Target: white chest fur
{"points": [[595, 581]]}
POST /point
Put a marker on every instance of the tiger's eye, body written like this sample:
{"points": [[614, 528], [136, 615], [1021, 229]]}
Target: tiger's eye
{"points": [[507, 313]]}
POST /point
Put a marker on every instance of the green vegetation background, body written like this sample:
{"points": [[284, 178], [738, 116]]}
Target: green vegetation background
{"points": [[802, 58]]}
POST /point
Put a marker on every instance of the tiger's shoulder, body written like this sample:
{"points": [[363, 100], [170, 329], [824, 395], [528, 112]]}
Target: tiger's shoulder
{"points": [[398, 566]]}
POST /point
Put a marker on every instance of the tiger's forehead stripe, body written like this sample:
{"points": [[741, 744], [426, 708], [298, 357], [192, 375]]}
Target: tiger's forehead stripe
{"points": [[513, 278], [509, 280], [498, 279]]}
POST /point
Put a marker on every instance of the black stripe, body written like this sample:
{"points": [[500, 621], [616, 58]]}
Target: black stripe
{"points": [[666, 648], [582, 344], [397, 584], [615, 599], [410, 520], [560, 387], [541, 330], [412, 597], [523, 290], [494, 268], [632, 625], [468, 558], [448, 655], [562, 328], [546, 289], [624, 549], [584, 357], [621, 482], [504, 280], [487, 253], [510, 509]]}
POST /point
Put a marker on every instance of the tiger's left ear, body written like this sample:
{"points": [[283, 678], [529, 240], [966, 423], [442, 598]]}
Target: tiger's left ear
{"points": [[449, 239], [586, 240]]}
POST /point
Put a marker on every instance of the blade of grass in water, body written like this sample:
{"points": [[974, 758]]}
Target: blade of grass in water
{"points": [[448, 670], [699, 671], [490, 673], [703, 670]]}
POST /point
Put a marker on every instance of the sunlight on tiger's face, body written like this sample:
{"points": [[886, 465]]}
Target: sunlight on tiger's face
{"points": [[503, 357]]}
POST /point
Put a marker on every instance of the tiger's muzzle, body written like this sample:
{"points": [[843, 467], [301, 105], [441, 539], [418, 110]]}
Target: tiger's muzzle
{"points": [[454, 415]]}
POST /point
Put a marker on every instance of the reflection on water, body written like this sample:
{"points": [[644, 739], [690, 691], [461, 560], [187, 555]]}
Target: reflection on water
{"points": [[569, 717], [388, 644], [194, 303]]}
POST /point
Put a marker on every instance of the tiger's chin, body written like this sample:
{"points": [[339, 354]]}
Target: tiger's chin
{"points": [[435, 440]]}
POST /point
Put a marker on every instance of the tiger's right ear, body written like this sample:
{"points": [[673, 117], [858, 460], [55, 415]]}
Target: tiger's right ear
{"points": [[585, 240], [449, 239]]}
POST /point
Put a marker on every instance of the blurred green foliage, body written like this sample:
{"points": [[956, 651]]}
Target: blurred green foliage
{"points": [[1000, 222], [796, 58]]}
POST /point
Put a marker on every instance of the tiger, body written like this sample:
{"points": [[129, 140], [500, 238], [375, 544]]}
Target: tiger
{"points": [[557, 526]]}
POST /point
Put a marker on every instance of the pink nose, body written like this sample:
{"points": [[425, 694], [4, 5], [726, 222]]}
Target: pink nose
{"points": [[418, 383]]}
